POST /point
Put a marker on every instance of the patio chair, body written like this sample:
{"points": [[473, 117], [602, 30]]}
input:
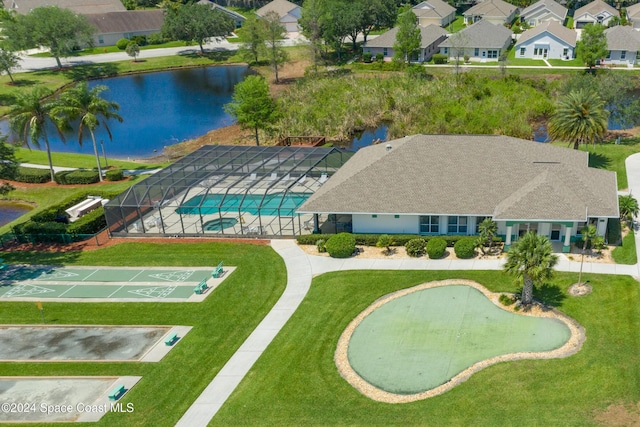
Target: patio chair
{"points": [[251, 178], [286, 179], [273, 177], [302, 179], [323, 179]]}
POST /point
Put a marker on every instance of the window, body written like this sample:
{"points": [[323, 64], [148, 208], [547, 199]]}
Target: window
{"points": [[476, 52], [446, 50], [600, 19], [384, 51], [100, 39], [457, 225], [479, 220], [396, 216], [492, 53], [374, 216], [430, 224], [608, 54], [565, 52], [623, 54], [522, 51]]}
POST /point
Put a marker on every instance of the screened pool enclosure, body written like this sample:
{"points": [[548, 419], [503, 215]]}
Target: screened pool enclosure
{"points": [[227, 190]]}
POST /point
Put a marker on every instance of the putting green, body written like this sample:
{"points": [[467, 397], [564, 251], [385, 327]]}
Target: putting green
{"points": [[421, 340]]}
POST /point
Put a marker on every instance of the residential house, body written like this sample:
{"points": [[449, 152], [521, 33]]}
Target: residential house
{"points": [[543, 11], [431, 37], [481, 41], [237, 18], [434, 12], [82, 7], [288, 12], [623, 44], [549, 40], [448, 184], [113, 26], [633, 15], [596, 12], [497, 12]]}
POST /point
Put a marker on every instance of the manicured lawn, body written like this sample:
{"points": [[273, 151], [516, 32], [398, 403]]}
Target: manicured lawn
{"points": [[88, 161], [296, 382], [612, 157], [456, 25], [626, 254], [220, 324], [569, 23], [576, 62]]}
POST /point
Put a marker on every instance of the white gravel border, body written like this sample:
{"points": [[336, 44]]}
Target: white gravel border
{"points": [[572, 346]]}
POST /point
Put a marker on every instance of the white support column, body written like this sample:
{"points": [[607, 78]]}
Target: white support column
{"points": [[507, 240], [566, 248]]}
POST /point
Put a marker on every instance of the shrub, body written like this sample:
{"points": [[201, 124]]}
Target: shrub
{"points": [[155, 38], [77, 177], [366, 57], [114, 175], [385, 241], [417, 71], [89, 223], [379, 57], [320, 244], [439, 58], [465, 247], [466, 59], [341, 245], [372, 239], [33, 175], [598, 244], [139, 40], [416, 247], [436, 247], [122, 44], [506, 299]]}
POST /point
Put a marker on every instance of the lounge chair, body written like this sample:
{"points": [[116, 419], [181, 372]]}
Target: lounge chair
{"points": [[251, 179], [323, 179], [302, 179], [286, 179], [273, 177]]}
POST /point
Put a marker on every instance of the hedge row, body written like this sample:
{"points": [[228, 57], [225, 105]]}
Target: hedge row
{"points": [[372, 239], [32, 175], [77, 177], [114, 175]]}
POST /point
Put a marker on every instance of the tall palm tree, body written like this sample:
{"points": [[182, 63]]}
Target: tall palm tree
{"points": [[29, 115], [588, 234], [86, 105], [580, 118], [531, 260]]}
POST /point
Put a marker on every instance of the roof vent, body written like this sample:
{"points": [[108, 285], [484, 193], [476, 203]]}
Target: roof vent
{"points": [[388, 147]]}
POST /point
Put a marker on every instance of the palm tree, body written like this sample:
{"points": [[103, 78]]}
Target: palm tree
{"points": [[85, 104], [29, 116], [588, 234], [580, 118], [488, 229], [628, 207], [530, 259]]}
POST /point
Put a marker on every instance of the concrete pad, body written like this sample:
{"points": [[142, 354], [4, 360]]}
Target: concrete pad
{"points": [[212, 283], [161, 349]]}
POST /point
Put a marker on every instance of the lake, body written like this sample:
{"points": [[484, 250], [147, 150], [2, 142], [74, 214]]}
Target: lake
{"points": [[10, 211], [160, 109]]}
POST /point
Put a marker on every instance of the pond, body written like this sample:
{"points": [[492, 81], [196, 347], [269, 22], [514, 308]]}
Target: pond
{"points": [[160, 109], [12, 210]]}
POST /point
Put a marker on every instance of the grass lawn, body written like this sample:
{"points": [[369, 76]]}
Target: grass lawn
{"points": [[456, 25], [220, 324], [111, 49], [626, 253], [88, 161], [569, 23], [295, 382], [576, 62], [512, 60]]}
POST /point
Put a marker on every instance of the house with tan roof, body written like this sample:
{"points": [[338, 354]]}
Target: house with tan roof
{"points": [[288, 12], [549, 40], [434, 12], [430, 38], [83, 7], [542, 11], [497, 12], [623, 43], [448, 184], [482, 41], [113, 26], [633, 15], [596, 12]]}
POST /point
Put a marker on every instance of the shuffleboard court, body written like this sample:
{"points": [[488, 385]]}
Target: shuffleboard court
{"points": [[96, 291], [48, 274]]}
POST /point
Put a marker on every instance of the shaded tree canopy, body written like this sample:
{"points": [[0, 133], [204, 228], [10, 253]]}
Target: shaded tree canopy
{"points": [[592, 45], [196, 22]]}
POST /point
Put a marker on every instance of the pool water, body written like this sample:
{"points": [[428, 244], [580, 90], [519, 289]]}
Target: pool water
{"points": [[219, 224], [283, 204]]}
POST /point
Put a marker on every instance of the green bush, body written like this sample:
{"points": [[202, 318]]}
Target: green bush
{"points": [[506, 299], [156, 38], [114, 175], [439, 58], [122, 44], [366, 57], [341, 245], [77, 177], [379, 57], [465, 248], [33, 175], [139, 40], [321, 245], [90, 223], [436, 247], [416, 247], [372, 239]]}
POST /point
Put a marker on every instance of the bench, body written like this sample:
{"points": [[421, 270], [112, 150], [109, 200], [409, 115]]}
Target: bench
{"points": [[117, 392], [171, 339], [201, 287], [218, 271]]}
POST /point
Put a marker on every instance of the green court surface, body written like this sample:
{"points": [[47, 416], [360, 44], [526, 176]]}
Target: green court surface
{"points": [[25, 290], [103, 274], [421, 340]]}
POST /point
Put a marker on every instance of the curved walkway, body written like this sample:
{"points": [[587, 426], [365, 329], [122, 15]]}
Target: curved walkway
{"points": [[632, 164]]}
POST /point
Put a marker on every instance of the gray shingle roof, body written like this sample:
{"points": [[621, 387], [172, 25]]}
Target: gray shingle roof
{"points": [[234, 15], [429, 35], [482, 34], [433, 8], [622, 38], [507, 178], [552, 27], [281, 7], [633, 11], [83, 7], [553, 6], [127, 21], [492, 8], [594, 8]]}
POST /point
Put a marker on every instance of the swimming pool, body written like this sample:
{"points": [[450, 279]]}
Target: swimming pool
{"points": [[283, 204], [219, 224]]}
